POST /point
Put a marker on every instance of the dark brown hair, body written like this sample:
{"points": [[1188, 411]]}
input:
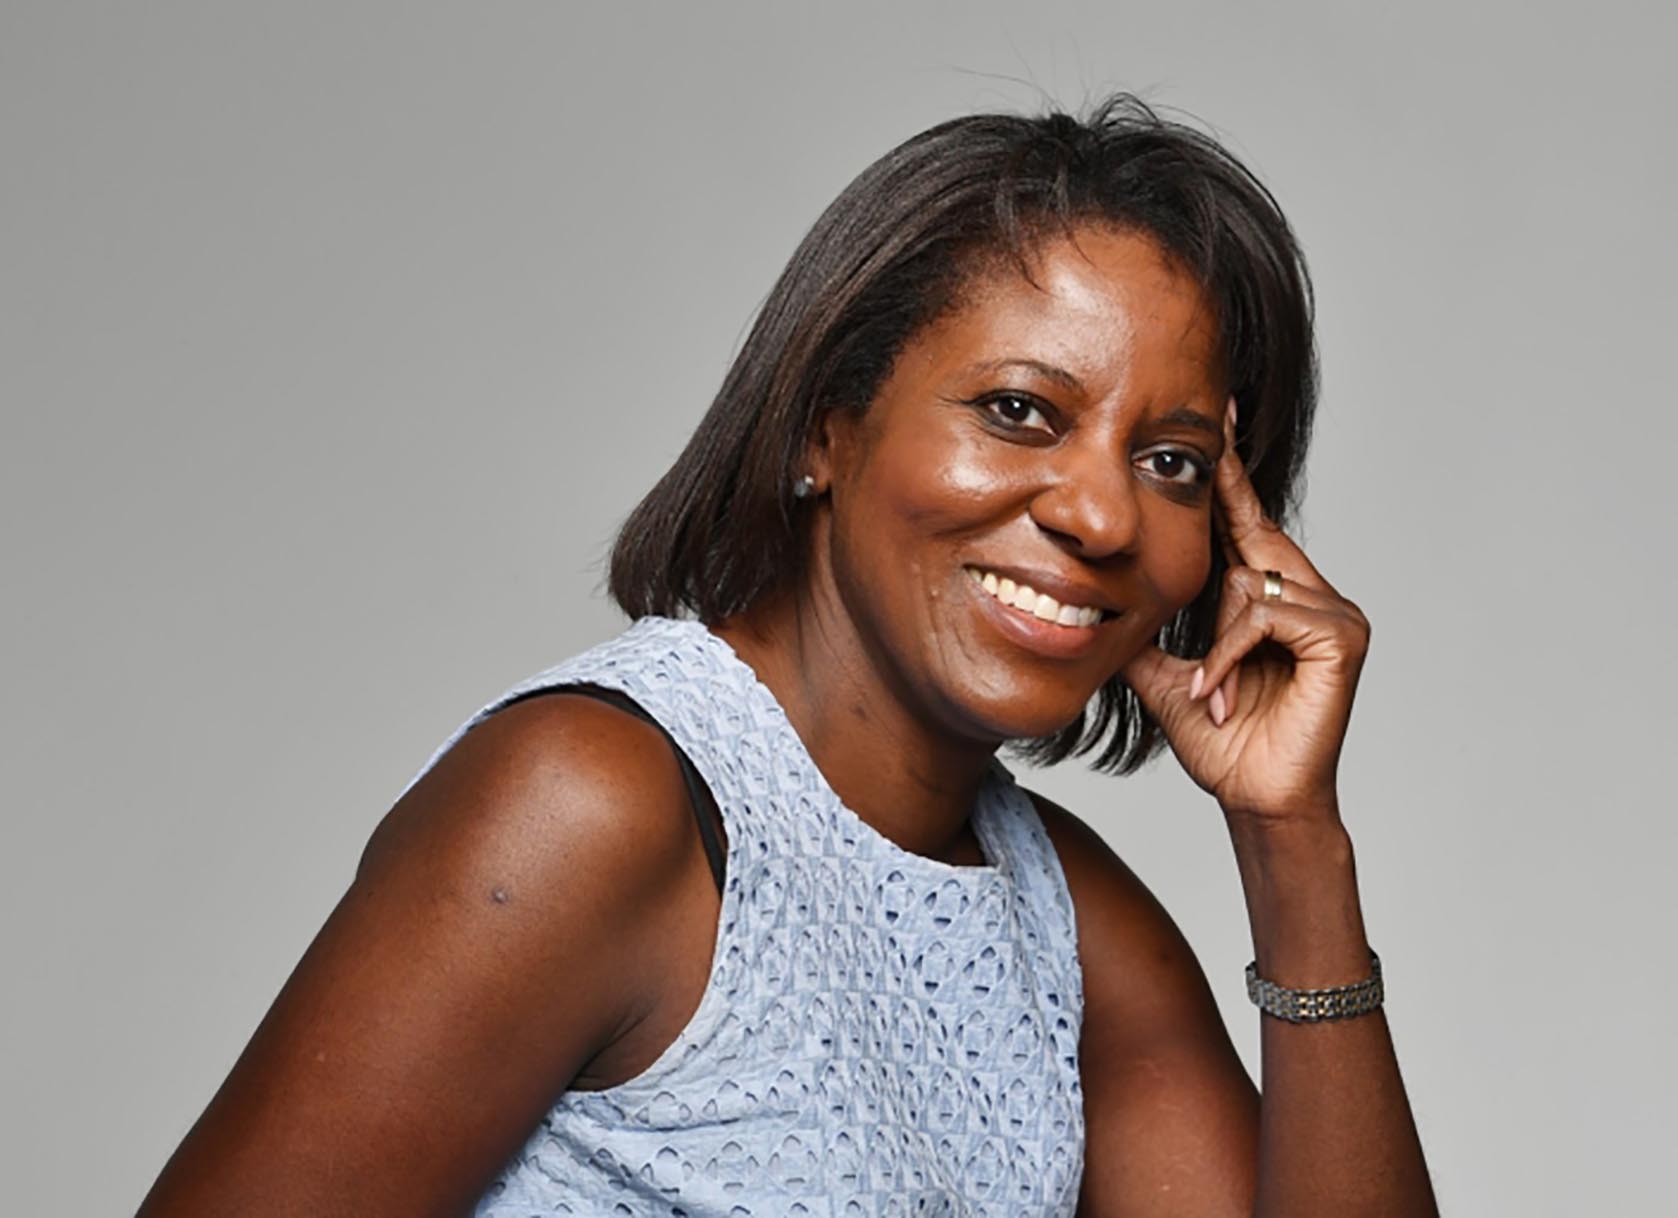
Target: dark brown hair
{"points": [[888, 257]]}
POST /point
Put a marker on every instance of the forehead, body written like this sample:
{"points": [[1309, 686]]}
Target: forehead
{"points": [[1102, 303]]}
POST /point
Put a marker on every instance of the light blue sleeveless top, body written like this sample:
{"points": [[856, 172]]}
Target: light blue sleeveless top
{"points": [[881, 1034]]}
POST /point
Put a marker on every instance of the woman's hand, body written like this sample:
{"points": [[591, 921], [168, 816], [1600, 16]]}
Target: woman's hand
{"points": [[1259, 722]]}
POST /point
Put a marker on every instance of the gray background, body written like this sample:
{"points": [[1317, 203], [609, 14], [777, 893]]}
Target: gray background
{"points": [[335, 339]]}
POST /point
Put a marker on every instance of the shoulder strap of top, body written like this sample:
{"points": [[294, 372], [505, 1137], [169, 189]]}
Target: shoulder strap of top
{"points": [[704, 804]]}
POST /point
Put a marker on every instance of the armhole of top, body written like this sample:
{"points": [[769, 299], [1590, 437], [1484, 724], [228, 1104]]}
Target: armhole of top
{"points": [[700, 799]]}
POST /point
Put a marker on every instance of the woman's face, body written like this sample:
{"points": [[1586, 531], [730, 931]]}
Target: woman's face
{"points": [[1055, 440]]}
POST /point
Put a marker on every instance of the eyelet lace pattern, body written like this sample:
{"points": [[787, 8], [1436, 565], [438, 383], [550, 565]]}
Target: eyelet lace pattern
{"points": [[881, 1033]]}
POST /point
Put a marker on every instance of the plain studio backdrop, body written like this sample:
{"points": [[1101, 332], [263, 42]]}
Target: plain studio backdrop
{"points": [[336, 339]]}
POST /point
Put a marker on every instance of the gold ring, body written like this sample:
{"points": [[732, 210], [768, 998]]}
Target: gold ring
{"points": [[1272, 585]]}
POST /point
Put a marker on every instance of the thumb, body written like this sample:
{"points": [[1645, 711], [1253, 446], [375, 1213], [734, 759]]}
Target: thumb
{"points": [[1161, 682]]}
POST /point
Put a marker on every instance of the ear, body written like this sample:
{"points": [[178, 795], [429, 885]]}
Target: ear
{"points": [[833, 443]]}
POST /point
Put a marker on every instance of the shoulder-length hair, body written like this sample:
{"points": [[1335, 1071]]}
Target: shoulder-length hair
{"points": [[889, 256]]}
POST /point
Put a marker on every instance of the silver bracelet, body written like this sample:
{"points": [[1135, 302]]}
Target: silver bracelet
{"points": [[1310, 1006]]}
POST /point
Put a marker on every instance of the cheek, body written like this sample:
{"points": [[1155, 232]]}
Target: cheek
{"points": [[940, 481], [1181, 560]]}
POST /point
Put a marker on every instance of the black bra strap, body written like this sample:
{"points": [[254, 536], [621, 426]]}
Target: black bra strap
{"points": [[699, 794]]}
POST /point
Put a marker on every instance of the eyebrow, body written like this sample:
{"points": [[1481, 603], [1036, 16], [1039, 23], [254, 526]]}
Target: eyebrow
{"points": [[1186, 417], [1183, 416], [1060, 376]]}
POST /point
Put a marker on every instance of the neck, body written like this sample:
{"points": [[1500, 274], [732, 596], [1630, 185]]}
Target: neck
{"points": [[883, 755]]}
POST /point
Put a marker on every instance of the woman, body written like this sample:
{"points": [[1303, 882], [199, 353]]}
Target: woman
{"points": [[1005, 445]]}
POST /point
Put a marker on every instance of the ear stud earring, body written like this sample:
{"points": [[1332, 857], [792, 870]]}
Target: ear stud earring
{"points": [[803, 486]]}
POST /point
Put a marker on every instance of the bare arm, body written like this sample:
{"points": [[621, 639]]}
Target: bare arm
{"points": [[1171, 1117], [511, 918], [1258, 723], [1174, 1124], [1336, 1135]]}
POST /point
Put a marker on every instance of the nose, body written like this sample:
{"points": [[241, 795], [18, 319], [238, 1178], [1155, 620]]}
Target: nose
{"points": [[1089, 502]]}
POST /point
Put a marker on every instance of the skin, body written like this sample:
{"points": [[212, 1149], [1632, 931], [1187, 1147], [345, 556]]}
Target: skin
{"points": [[531, 918], [1060, 464], [897, 669]]}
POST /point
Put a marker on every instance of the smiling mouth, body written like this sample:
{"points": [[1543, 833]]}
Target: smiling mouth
{"points": [[1023, 598]]}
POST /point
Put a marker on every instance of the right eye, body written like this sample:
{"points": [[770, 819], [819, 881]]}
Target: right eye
{"points": [[1015, 411]]}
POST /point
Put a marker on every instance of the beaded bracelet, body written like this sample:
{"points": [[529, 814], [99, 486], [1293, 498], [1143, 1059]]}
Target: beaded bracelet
{"points": [[1311, 1006]]}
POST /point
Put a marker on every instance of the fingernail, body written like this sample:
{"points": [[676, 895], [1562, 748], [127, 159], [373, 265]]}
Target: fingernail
{"points": [[1229, 412], [1218, 706], [1199, 680]]}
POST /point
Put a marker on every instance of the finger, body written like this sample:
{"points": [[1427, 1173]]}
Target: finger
{"points": [[1231, 602], [1258, 540], [1161, 682], [1310, 635], [1229, 689], [1228, 606], [1244, 586], [1220, 530]]}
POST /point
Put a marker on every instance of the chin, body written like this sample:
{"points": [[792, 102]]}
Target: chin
{"points": [[1017, 709]]}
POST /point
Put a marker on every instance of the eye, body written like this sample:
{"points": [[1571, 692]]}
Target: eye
{"points": [[1171, 464], [1015, 411]]}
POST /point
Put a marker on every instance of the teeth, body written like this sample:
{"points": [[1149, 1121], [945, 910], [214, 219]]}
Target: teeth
{"points": [[1028, 600]]}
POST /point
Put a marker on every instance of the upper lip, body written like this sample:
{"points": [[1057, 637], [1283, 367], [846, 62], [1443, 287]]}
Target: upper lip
{"points": [[1063, 588]]}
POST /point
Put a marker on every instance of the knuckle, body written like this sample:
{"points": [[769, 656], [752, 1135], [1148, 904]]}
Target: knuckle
{"points": [[1355, 615], [1243, 579]]}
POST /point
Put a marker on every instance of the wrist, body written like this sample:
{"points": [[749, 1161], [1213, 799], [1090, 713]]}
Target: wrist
{"points": [[1308, 806], [1309, 840], [1300, 883], [1317, 1003]]}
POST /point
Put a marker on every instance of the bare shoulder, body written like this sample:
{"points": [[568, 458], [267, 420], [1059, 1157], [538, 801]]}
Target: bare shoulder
{"points": [[561, 827], [515, 915], [563, 819], [1122, 927], [552, 786], [1141, 976]]}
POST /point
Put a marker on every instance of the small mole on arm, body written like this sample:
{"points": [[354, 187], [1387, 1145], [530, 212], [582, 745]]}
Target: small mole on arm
{"points": [[499, 896]]}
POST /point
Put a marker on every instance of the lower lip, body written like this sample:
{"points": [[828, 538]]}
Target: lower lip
{"points": [[1031, 632]]}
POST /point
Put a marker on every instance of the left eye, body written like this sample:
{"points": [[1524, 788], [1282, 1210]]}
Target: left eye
{"points": [[1171, 464]]}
